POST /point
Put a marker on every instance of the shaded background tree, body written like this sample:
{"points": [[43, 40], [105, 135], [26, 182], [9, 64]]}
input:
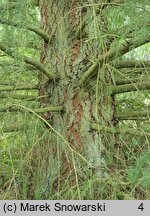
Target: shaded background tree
{"points": [[82, 112]]}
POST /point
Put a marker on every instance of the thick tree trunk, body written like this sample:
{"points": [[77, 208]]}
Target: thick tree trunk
{"points": [[68, 57]]}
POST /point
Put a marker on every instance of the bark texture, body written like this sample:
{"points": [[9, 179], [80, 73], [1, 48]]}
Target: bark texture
{"points": [[69, 56]]}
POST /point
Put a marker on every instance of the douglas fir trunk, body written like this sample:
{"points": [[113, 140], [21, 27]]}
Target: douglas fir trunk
{"points": [[68, 54]]}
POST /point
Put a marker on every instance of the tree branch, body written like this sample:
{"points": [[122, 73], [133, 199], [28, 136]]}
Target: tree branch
{"points": [[22, 87], [19, 96], [131, 64], [128, 80], [128, 30], [127, 118], [10, 129], [14, 65], [40, 110], [14, 83], [8, 5], [132, 114], [28, 60], [38, 66], [99, 127], [35, 2], [130, 87], [80, 29], [34, 29], [113, 53]]}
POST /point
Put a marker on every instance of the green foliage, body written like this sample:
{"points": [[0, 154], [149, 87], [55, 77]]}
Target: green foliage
{"points": [[139, 173], [32, 157]]}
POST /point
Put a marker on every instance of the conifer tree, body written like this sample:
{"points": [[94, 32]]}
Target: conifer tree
{"points": [[80, 71]]}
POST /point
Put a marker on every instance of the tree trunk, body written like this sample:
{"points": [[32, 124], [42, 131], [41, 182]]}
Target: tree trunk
{"points": [[79, 151]]}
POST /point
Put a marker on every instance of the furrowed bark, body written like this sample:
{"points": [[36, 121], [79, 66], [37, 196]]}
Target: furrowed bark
{"points": [[69, 59], [61, 156]]}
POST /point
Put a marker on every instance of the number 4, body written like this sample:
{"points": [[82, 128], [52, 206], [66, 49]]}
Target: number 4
{"points": [[141, 207]]}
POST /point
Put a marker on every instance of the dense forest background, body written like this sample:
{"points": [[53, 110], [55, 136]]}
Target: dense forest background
{"points": [[74, 99]]}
